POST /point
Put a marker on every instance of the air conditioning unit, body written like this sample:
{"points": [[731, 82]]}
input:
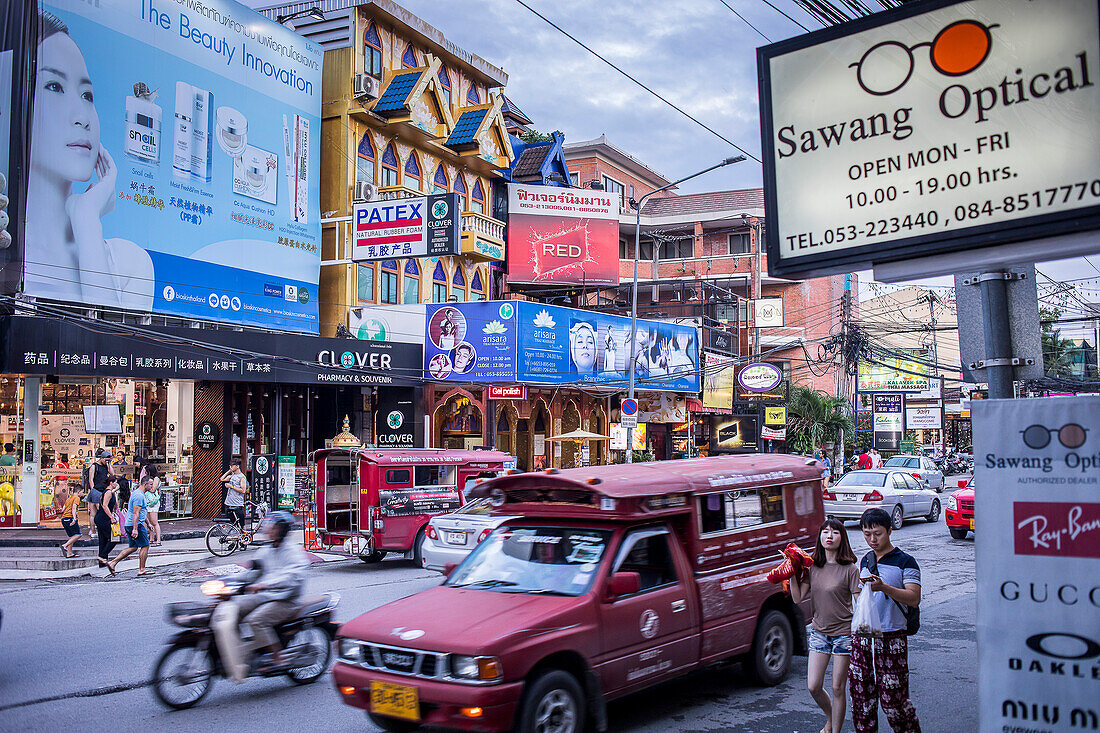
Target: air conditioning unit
{"points": [[365, 86], [365, 191]]}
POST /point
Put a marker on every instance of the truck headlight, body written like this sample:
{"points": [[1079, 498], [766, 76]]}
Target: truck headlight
{"points": [[476, 668], [350, 650], [952, 504]]}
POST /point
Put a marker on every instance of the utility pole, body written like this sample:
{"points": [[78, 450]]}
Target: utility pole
{"points": [[754, 234], [842, 367], [932, 299]]}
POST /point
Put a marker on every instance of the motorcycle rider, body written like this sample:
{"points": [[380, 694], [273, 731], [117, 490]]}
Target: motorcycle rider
{"points": [[271, 600]]}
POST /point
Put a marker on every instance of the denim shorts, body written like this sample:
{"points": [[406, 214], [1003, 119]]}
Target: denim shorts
{"points": [[142, 540], [840, 645]]}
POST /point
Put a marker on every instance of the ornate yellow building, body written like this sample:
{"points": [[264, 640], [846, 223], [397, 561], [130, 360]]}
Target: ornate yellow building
{"points": [[404, 113]]}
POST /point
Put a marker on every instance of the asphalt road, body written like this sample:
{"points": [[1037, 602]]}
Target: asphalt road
{"points": [[76, 656]]}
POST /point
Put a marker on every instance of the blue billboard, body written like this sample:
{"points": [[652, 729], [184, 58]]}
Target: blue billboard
{"points": [[571, 346], [471, 342], [175, 162], [523, 342]]}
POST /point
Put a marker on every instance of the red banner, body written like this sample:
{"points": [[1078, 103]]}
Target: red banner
{"points": [[1057, 528], [556, 235], [507, 392]]}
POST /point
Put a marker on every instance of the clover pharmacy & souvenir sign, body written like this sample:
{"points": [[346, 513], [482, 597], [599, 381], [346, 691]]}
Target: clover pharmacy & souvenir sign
{"points": [[191, 400]]}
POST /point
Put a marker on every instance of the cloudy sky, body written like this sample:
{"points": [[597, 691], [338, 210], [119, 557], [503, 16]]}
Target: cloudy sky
{"points": [[696, 53]]}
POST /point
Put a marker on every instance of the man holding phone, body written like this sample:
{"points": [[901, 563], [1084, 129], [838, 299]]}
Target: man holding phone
{"points": [[879, 667], [236, 489]]}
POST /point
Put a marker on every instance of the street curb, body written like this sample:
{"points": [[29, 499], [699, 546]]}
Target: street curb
{"points": [[190, 534]]}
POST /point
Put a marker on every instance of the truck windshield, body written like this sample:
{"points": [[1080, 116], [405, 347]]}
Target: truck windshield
{"points": [[547, 560]]}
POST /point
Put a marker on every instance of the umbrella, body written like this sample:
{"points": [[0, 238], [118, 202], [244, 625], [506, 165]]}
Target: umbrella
{"points": [[579, 435]]}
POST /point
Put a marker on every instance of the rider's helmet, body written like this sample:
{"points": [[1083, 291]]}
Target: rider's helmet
{"points": [[282, 521]]}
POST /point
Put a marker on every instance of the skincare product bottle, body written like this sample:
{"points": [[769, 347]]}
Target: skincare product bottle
{"points": [[200, 134], [143, 119], [255, 170], [232, 131], [181, 146], [301, 169]]}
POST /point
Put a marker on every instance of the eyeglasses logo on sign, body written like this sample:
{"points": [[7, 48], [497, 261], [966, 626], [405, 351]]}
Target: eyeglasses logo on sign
{"points": [[957, 50], [1037, 437]]}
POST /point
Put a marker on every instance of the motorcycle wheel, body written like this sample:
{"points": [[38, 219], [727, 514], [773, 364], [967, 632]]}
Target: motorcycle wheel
{"points": [[320, 646], [175, 681]]}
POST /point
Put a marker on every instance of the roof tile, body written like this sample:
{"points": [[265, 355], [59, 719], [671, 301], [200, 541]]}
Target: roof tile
{"points": [[396, 96], [466, 127], [699, 203]]}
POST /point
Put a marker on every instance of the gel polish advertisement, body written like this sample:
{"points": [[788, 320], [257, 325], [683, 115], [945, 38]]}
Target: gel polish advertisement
{"points": [[175, 162]]}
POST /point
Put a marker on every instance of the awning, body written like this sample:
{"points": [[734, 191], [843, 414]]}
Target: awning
{"points": [[579, 436], [51, 346]]}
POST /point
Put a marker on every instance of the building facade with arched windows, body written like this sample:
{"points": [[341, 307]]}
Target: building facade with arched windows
{"points": [[406, 114]]}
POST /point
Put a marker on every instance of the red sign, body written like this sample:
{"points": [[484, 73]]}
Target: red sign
{"points": [[556, 235], [1061, 529], [507, 392]]}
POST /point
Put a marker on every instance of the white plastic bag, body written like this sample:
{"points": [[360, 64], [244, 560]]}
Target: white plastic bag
{"points": [[865, 620]]}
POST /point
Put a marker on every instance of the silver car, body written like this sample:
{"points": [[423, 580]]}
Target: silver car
{"points": [[891, 489], [451, 537], [921, 468]]}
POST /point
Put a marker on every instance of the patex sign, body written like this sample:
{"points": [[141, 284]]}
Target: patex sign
{"points": [[1037, 471], [929, 128], [412, 227]]}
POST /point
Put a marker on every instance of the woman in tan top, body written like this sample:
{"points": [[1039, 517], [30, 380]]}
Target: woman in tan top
{"points": [[831, 583]]}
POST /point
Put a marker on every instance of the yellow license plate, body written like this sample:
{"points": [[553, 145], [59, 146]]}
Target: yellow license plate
{"points": [[396, 701], [971, 525]]}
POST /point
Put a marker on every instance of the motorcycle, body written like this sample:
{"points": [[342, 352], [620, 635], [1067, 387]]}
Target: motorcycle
{"points": [[186, 669]]}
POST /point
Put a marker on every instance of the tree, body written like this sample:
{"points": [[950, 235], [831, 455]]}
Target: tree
{"points": [[1057, 351], [534, 136], [815, 418]]}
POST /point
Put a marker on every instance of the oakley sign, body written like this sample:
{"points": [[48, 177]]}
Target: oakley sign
{"points": [[928, 130]]}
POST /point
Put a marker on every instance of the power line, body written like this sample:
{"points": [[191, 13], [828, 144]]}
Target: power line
{"points": [[580, 43], [745, 21], [784, 14]]}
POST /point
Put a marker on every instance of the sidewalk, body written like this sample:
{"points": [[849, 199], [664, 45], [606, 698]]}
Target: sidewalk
{"points": [[174, 529], [44, 561]]}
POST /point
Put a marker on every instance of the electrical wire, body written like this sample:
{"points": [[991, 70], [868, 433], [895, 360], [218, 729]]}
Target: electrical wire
{"points": [[745, 21], [580, 43]]}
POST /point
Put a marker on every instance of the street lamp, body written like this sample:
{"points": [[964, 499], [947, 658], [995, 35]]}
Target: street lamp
{"points": [[634, 298], [314, 12]]}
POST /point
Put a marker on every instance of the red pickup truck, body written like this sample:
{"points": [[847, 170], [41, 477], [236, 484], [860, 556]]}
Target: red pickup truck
{"points": [[610, 580]]}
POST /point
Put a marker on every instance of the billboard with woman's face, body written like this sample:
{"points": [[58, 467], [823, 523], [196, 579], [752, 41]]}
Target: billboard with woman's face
{"points": [[567, 345], [174, 162], [519, 341]]}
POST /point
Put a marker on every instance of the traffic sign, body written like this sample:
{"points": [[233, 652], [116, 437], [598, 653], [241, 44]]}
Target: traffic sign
{"points": [[629, 406], [629, 421]]}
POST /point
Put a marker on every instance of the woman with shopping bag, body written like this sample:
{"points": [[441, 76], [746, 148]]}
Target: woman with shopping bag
{"points": [[831, 583]]}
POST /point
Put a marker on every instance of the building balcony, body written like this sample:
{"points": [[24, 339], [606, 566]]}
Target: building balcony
{"points": [[388, 193], [482, 237]]}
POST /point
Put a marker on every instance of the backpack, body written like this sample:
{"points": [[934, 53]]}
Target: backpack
{"points": [[911, 613]]}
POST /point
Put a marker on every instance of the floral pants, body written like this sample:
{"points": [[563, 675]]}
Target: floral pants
{"points": [[879, 668]]}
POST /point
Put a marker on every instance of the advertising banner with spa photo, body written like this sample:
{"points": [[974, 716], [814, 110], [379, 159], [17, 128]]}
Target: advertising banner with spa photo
{"points": [[558, 235], [516, 341], [175, 162]]}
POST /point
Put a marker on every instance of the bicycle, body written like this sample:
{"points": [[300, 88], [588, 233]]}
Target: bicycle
{"points": [[226, 536]]}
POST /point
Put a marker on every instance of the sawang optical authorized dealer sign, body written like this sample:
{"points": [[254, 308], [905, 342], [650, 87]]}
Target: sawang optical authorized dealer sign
{"points": [[1037, 469], [938, 127]]}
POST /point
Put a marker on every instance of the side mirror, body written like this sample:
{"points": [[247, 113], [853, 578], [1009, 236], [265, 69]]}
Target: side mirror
{"points": [[962, 483], [623, 584], [449, 568]]}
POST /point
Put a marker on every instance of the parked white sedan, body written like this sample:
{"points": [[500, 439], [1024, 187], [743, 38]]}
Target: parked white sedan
{"points": [[921, 468], [901, 495], [451, 537]]}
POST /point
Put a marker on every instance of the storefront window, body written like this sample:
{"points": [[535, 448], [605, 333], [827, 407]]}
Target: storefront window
{"points": [[459, 423]]}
